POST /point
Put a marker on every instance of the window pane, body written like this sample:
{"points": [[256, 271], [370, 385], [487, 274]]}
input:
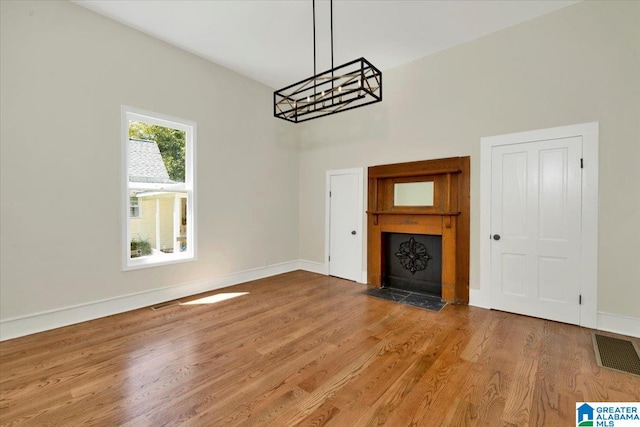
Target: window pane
{"points": [[156, 153], [134, 207], [162, 227]]}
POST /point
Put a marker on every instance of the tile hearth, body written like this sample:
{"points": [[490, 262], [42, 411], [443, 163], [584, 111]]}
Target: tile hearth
{"points": [[415, 299]]}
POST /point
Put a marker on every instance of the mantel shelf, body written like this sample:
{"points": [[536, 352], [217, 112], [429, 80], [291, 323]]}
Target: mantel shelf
{"points": [[412, 212], [409, 173]]}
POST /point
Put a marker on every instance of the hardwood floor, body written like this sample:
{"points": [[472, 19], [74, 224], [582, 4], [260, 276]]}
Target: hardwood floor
{"points": [[308, 350]]}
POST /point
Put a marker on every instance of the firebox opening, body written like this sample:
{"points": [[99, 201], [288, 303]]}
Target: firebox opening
{"points": [[413, 262]]}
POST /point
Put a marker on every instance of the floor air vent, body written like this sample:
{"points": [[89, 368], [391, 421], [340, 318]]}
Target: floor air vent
{"points": [[617, 354]]}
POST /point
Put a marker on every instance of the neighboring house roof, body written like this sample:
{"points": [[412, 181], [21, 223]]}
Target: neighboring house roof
{"points": [[145, 163]]}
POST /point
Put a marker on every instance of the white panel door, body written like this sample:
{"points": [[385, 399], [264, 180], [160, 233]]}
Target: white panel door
{"points": [[344, 223], [536, 228]]}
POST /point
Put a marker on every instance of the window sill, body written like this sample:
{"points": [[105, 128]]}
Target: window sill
{"points": [[156, 261]]}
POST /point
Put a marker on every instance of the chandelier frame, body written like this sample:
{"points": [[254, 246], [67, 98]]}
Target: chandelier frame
{"points": [[351, 85]]}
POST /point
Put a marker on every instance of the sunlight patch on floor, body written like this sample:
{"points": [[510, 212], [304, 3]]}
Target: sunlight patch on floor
{"points": [[212, 299]]}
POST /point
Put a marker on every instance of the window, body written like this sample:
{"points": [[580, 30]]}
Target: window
{"points": [[158, 189], [134, 207]]}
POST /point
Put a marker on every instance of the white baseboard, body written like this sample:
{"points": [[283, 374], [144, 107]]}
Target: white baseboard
{"points": [[52, 319], [38, 322], [320, 268], [363, 278], [477, 298], [615, 323], [314, 267], [619, 324]]}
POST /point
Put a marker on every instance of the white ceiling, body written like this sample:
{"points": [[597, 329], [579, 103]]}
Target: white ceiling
{"points": [[271, 41]]}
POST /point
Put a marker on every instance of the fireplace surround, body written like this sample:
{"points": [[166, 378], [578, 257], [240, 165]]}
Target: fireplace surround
{"points": [[445, 213]]}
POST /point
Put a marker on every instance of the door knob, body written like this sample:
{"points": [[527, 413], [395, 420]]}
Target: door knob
{"points": [[496, 237], [353, 232]]}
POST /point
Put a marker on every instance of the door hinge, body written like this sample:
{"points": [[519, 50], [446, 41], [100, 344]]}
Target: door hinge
{"points": [[581, 163], [329, 257], [329, 193], [580, 299]]}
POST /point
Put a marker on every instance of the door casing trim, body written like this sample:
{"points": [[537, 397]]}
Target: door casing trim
{"points": [[589, 254]]}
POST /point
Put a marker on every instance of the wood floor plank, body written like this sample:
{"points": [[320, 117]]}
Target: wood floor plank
{"points": [[308, 350], [517, 409]]}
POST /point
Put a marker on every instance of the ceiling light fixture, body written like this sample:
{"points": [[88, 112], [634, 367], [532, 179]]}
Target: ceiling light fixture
{"points": [[345, 87]]}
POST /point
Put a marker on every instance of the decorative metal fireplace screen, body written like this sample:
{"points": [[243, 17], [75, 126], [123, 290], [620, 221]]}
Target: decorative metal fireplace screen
{"points": [[413, 262]]}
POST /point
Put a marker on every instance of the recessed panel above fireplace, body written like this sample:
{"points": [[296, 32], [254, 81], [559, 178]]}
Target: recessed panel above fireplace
{"points": [[413, 193], [413, 262]]}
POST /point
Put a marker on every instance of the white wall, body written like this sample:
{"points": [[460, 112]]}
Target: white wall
{"points": [[65, 73], [580, 64]]}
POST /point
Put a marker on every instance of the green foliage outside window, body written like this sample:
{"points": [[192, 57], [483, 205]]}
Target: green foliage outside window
{"points": [[171, 143], [140, 247]]}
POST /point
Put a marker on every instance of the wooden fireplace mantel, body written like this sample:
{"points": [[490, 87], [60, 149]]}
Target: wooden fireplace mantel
{"points": [[448, 217]]}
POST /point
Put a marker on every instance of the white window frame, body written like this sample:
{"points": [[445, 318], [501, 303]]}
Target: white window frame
{"points": [[189, 187]]}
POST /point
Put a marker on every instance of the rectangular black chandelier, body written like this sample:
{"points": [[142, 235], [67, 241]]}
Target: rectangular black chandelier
{"points": [[345, 87]]}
